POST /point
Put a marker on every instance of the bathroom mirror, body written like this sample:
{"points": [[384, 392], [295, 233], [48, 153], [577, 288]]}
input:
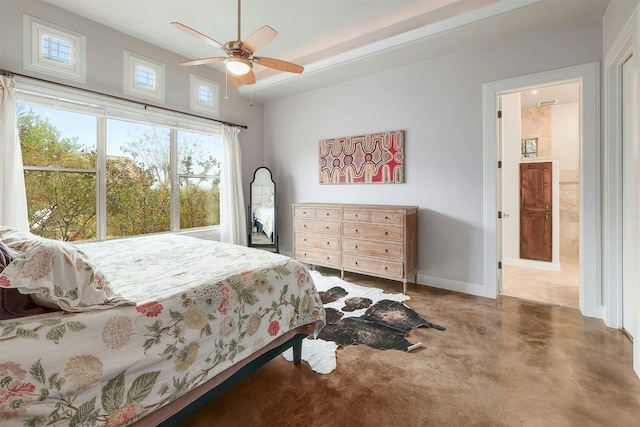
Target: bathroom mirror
{"points": [[263, 230]]}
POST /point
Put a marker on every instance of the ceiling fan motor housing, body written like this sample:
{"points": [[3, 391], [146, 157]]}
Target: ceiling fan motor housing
{"points": [[235, 48]]}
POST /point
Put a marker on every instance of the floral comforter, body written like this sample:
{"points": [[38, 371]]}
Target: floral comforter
{"points": [[197, 307]]}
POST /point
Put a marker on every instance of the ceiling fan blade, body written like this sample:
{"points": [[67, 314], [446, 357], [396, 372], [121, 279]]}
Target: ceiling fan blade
{"points": [[203, 60], [198, 35], [246, 79], [259, 38], [278, 64]]}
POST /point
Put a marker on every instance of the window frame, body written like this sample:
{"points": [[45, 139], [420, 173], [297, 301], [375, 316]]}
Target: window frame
{"points": [[105, 107], [130, 84], [195, 83], [33, 31]]}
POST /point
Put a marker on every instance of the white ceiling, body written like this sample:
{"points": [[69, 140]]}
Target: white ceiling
{"points": [[335, 40], [558, 94]]}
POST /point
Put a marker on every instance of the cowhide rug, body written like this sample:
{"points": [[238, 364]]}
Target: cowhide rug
{"points": [[358, 315]]}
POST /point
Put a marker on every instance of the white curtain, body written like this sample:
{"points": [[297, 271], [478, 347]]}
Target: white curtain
{"points": [[233, 218], [13, 197]]}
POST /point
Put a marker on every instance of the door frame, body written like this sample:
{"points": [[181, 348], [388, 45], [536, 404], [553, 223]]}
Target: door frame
{"points": [[627, 43], [612, 168], [588, 75]]}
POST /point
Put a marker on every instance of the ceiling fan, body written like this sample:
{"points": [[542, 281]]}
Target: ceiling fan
{"points": [[240, 58]]}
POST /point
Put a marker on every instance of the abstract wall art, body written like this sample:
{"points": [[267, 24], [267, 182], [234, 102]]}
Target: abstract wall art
{"points": [[376, 158]]}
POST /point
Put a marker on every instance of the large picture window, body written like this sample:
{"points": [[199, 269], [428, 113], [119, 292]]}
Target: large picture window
{"points": [[199, 178], [138, 182], [92, 176], [60, 161]]}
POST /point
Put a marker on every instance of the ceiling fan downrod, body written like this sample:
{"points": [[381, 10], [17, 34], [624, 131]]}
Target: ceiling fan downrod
{"points": [[239, 39]]}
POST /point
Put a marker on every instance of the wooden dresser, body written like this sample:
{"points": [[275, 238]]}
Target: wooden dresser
{"points": [[377, 240]]}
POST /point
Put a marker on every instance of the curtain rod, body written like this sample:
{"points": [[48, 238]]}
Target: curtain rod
{"points": [[12, 74]]}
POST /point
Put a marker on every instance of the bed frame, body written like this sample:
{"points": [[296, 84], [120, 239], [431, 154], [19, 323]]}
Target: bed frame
{"points": [[177, 411]]}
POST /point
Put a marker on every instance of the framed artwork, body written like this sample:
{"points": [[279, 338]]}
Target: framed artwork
{"points": [[376, 158], [529, 147]]}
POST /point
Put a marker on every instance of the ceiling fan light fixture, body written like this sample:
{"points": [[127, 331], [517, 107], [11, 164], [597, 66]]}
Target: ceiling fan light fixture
{"points": [[238, 66]]}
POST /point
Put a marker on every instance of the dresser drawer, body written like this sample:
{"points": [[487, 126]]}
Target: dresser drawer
{"points": [[318, 256], [317, 226], [372, 265], [387, 217], [356, 215], [387, 250], [372, 231], [328, 213], [304, 212], [316, 212], [317, 241]]}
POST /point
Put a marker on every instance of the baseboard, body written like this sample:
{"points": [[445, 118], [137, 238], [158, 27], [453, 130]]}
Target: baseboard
{"points": [[456, 286]]}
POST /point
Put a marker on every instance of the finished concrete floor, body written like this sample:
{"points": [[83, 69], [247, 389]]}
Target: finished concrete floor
{"points": [[504, 362]]}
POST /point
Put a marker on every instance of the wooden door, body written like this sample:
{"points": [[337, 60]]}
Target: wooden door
{"points": [[535, 211]]}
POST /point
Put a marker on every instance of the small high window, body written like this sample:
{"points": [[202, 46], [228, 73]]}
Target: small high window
{"points": [[56, 49], [146, 77], [204, 95], [53, 50], [143, 77]]}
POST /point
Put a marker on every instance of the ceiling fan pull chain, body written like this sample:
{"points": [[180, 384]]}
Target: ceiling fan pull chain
{"points": [[251, 98], [226, 83]]}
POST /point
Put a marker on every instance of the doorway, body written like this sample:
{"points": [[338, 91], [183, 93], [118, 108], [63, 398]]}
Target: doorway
{"points": [[540, 194], [590, 300]]}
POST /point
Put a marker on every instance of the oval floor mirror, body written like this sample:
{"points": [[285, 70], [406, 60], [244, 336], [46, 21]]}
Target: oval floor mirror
{"points": [[263, 225]]}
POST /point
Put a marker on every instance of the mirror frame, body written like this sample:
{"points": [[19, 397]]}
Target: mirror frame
{"points": [[273, 246]]}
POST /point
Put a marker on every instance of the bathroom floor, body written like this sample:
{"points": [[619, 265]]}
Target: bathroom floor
{"points": [[551, 287]]}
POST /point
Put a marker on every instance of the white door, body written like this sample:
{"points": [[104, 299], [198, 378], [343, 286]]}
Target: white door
{"points": [[499, 194], [630, 200]]}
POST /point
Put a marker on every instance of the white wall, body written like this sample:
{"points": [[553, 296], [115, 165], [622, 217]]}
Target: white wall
{"points": [[105, 71], [439, 104], [615, 17], [565, 134]]}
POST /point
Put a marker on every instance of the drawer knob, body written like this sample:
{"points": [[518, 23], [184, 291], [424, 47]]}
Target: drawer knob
{"points": [[305, 226], [386, 251], [356, 215], [386, 217], [328, 243], [356, 246], [356, 230], [327, 227], [356, 262], [386, 233], [305, 239], [327, 213], [386, 268]]}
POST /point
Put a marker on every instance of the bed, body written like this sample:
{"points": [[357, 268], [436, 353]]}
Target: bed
{"points": [[161, 322]]}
